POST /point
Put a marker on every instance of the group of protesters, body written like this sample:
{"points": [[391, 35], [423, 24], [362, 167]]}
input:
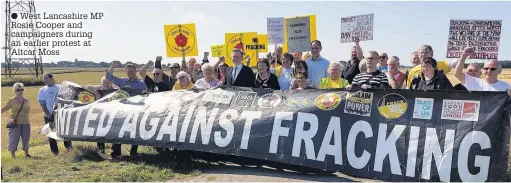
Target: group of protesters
{"points": [[277, 71]]}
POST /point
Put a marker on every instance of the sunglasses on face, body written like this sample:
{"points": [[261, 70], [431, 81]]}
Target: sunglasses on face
{"points": [[19, 90], [490, 68], [383, 57]]}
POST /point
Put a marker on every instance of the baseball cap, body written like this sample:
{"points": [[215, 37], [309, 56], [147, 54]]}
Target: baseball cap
{"points": [[175, 65]]}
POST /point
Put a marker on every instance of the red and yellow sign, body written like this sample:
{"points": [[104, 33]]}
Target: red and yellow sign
{"points": [[180, 39], [86, 97], [239, 41]]}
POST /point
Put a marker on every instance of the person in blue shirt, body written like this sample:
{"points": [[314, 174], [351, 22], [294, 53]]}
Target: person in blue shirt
{"points": [[132, 82], [317, 65]]}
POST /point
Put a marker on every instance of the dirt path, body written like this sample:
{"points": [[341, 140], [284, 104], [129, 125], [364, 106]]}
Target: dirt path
{"points": [[236, 173]]}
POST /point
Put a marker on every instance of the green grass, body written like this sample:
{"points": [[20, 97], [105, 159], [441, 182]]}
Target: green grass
{"points": [[45, 167]]}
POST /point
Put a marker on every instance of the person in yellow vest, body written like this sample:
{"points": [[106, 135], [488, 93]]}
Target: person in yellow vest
{"points": [[426, 51], [335, 80], [284, 73]]}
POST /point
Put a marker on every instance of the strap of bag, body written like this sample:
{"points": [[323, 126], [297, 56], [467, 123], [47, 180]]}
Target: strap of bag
{"points": [[23, 103]]}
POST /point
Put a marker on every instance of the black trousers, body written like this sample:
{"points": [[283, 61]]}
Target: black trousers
{"points": [[116, 150], [53, 143]]}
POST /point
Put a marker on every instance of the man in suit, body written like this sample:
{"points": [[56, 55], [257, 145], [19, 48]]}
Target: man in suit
{"points": [[239, 75]]}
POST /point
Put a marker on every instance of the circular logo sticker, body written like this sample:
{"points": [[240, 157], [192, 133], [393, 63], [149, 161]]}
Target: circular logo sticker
{"points": [[269, 100], [86, 97], [328, 101], [183, 39], [119, 95], [392, 106]]}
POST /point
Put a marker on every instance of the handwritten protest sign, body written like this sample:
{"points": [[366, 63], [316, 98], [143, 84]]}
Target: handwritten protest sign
{"points": [[312, 20], [218, 50], [360, 26], [483, 35], [298, 34], [275, 30], [180, 40]]}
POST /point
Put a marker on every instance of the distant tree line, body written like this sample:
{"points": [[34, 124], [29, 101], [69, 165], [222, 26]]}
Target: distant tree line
{"points": [[90, 64]]}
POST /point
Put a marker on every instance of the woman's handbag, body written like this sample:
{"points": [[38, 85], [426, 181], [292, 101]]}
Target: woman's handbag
{"points": [[11, 123]]}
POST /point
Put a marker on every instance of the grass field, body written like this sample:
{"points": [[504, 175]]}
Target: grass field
{"points": [[82, 163]]}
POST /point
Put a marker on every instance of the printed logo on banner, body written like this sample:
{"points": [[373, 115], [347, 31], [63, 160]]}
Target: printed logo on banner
{"points": [[423, 108], [119, 95], [269, 100], [359, 103], [298, 102], [244, 99], [392, 106], [461, 110], [86, 97], [327, 101], [218, 96]]}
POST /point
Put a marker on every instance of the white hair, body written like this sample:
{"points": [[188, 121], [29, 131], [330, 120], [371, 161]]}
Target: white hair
{"points": [[17, 85], [183, 73], [207, 66], [335, 64], [362, 65]]}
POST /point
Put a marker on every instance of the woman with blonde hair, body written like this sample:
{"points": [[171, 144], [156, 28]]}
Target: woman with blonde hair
{"points": [[19, 118], [184, 81]]}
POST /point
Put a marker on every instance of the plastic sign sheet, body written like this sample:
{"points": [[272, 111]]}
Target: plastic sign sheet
{"points": [[390, 135], [181, 40]]}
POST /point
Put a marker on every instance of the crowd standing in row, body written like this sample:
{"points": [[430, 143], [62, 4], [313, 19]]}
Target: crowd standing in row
{"points": [[278, 71]]}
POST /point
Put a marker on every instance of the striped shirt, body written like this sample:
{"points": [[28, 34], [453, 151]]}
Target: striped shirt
{"points": [[375, 79]]}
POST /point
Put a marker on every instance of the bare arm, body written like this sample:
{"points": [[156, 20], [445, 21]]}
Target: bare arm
{"points": [[360, 54], [43, 107], [6, 107], [143, 70], [458, 71]]}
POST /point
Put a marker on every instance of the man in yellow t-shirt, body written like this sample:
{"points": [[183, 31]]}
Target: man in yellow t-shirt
{"points": [[335, 80], [424, 52]]}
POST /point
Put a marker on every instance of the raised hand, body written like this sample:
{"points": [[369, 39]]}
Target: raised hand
{"points": [[116, 64]]}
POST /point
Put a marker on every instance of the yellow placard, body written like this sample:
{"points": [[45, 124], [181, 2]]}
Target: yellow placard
{"points": [[180, 40], [239, 41], [260, 46], [313, 33], [218, 50]]}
